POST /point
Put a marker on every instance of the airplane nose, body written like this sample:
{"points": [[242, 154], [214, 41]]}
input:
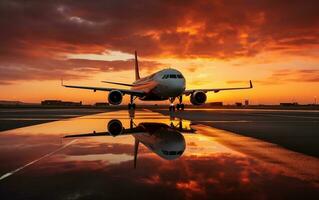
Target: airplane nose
{"points": [[178, 86]]}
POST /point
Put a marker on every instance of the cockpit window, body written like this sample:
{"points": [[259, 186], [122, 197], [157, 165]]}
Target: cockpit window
{"points": [[179, 152], [179, 76], [165, 152], [166, 76], [172, 153], [172, 76]]}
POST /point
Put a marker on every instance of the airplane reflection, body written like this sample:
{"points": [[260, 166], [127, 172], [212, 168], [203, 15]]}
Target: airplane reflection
{"points": [[165, 140]]}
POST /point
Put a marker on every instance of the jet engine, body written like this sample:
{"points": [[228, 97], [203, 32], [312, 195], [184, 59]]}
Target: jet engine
{"points": [[115, 97], [115, 127], [198, 98]]}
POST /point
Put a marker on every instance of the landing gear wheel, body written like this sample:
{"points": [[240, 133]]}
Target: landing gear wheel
{"points": [[172, 108], [180, 106]]}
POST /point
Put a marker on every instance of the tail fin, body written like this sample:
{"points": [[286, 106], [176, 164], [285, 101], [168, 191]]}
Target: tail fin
{"points": [[137, 73]]}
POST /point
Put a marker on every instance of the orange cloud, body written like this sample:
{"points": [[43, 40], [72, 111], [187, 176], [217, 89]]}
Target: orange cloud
{"points": [[192, 28], [37, 36], [286, 75]]}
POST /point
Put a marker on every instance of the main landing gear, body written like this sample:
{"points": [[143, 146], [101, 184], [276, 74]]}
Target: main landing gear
{"points": [[179, 106], [131, 105]]}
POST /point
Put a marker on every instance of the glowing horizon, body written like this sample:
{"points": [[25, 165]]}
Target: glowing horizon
{"points": [[214, 44]]}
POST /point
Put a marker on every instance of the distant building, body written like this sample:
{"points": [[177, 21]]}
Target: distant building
{"points": [[246, 102], [239, 104], [60, 103], [219, 103], [289, 104]]}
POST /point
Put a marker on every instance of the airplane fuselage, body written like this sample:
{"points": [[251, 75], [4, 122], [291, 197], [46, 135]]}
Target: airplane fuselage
{"points": [[161, 85], [162, 140]]}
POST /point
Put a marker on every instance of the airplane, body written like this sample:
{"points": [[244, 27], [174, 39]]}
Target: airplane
{"points": [[166, 141], [166, 84]]}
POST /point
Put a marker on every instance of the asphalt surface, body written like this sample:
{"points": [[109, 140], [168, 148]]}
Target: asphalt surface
{"points": [[21, 117], [297, 130], [154, 156]]}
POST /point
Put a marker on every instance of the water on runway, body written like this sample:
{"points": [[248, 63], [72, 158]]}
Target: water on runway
{"points": [[146, 155]]}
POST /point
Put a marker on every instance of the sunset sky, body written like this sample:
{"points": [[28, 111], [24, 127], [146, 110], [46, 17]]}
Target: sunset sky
{"points": [[274, 43]]}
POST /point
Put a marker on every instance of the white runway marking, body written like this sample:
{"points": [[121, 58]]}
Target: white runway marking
{"points": [[6, 175]]}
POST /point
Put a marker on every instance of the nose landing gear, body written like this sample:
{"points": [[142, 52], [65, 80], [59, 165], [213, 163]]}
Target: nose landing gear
{"points": [[131, 105], [171, 106], [180, 106]]}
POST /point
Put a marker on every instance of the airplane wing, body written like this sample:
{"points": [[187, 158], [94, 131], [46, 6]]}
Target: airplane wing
{"points": [[184, 130], [124, 91], [181, 129], [188, 92], [88, 134], [117, 83], [130, 131]]}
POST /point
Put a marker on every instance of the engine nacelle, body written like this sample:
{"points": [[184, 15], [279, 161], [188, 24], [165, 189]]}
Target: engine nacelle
{"points": [[115, 97], [115, 127], [198, 98]]}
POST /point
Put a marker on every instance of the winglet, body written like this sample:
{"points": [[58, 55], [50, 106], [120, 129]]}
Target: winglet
{"points": [[62, 82], [251, 84]]}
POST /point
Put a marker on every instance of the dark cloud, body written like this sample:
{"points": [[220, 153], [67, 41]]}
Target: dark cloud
{"points": [[45, 30], [52, 69]]}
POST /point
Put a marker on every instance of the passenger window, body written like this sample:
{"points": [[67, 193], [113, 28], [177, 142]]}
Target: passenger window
{"points": [[172, 75], [163, 76]]}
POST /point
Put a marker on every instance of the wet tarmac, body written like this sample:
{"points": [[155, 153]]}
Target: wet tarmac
{"points": [[297, 130], [147, 155], [21, 117]]}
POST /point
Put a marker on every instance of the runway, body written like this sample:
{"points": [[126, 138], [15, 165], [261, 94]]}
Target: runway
{"points": [[15, 118], [176, 158], [297, 130]]}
